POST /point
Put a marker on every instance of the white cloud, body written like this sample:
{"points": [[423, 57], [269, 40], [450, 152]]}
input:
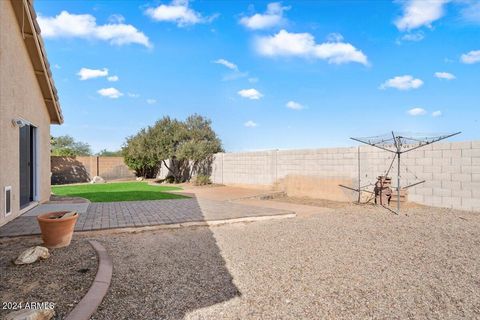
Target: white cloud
{"points": [[406, 82], [444, 75], [303, 45], [471, 57], [415, 37], [271, 18], [417, 112], [226, 63], [418, 13], [437, 113], [253, 80], [178, 12], [471, 13], [151, 101], [250, 124], [86, 73], [133, 95], [67, 25], [235, 74], [116, 18], [57, 66], [111, 93], [252, 94], [113, 78], [294, 105], [334, 37]]}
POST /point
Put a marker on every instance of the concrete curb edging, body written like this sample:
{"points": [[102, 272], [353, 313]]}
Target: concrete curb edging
{"points": [[90, 302], [188, 224]]}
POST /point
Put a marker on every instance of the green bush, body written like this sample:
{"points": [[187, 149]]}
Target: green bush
{"points": [[202, 180], [185, 148]]}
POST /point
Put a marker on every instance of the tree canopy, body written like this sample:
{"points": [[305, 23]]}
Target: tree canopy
{"points": [[67, 146], [184, 147], [108, 153]]}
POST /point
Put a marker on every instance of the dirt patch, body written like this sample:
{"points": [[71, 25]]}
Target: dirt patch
{"points": [[314, 202], [339, 205], [63, 279]]}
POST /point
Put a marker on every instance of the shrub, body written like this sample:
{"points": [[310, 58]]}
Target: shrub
{"points": [[185, 148], [202, 180]]}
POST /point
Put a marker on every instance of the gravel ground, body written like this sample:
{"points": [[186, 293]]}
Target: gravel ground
{"points": [[337, 204], [351, 263], [64, 278], [313, 202]]}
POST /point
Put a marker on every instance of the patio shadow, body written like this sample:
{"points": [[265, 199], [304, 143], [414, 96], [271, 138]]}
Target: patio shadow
{"points": [[166, 274]]}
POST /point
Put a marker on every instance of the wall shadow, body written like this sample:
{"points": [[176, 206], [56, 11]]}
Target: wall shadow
{"points": [[164, 274], [68, 170]]}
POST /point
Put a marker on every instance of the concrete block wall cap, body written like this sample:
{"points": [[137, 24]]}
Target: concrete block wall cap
{"points": [[90, 302]]}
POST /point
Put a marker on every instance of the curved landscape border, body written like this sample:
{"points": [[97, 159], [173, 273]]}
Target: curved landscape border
{"points": [[99, 288]]}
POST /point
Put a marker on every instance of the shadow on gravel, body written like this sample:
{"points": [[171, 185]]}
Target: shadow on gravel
{"points": [[165, 274]]}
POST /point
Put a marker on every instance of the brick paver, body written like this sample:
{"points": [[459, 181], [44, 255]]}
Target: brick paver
{"points": [[108, 215]]}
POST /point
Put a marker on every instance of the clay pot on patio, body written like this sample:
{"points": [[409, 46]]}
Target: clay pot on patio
{"points": [[57, 228]]}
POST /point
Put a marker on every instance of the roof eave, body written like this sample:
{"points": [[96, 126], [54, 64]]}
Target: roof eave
{"points": [[26, 19]]}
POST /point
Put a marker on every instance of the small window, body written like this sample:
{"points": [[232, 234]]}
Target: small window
{"points": [[8, 200]]}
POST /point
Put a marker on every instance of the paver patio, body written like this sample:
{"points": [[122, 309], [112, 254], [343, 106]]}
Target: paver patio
{"points": [[110, 215]]}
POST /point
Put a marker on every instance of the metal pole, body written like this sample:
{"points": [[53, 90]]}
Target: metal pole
{"points": [[359, 185], [398, 184]]}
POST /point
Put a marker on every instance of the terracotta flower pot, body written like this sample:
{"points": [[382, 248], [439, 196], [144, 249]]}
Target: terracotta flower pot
{"points": [[56, 232]]}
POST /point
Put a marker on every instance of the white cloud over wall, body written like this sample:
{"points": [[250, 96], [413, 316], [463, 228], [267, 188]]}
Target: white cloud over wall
{"points": [[68, 25], [303, 45]]}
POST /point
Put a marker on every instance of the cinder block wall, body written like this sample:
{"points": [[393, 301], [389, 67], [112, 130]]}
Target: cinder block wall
{"points": [[451, 171], [82, 169]]}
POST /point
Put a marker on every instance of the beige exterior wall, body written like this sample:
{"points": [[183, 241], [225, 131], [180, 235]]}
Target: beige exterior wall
{"points": [[20, 97], [451, 171]]}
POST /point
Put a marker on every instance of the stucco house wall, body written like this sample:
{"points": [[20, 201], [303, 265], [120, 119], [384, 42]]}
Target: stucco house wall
{"points": [[20, 97]]}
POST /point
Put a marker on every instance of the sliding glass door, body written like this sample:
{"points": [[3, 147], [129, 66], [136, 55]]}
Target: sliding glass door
{"points": [[27, 165]]}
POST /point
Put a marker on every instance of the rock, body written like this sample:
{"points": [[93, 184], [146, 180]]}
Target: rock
{"points": [[140, 179], [31, 314], [68, 214], [97, 179], [32, 254]]}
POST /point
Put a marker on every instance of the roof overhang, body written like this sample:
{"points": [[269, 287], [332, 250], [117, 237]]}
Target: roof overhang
{"points": [[27, 20]]}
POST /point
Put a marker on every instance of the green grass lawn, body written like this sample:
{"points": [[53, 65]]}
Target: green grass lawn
{"points": [[124, 191]]}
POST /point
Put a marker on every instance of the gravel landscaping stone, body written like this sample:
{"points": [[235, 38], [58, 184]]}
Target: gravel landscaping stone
{"points": [[64, 278], [354, 262]]}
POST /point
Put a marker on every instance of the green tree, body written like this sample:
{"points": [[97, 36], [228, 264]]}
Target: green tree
{"points": [[107, 153], [200, 143], [67, 146], [138, 155], [184, 148]]}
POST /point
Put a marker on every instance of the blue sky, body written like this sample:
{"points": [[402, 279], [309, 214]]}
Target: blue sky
{"points": [[270, 75]]}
